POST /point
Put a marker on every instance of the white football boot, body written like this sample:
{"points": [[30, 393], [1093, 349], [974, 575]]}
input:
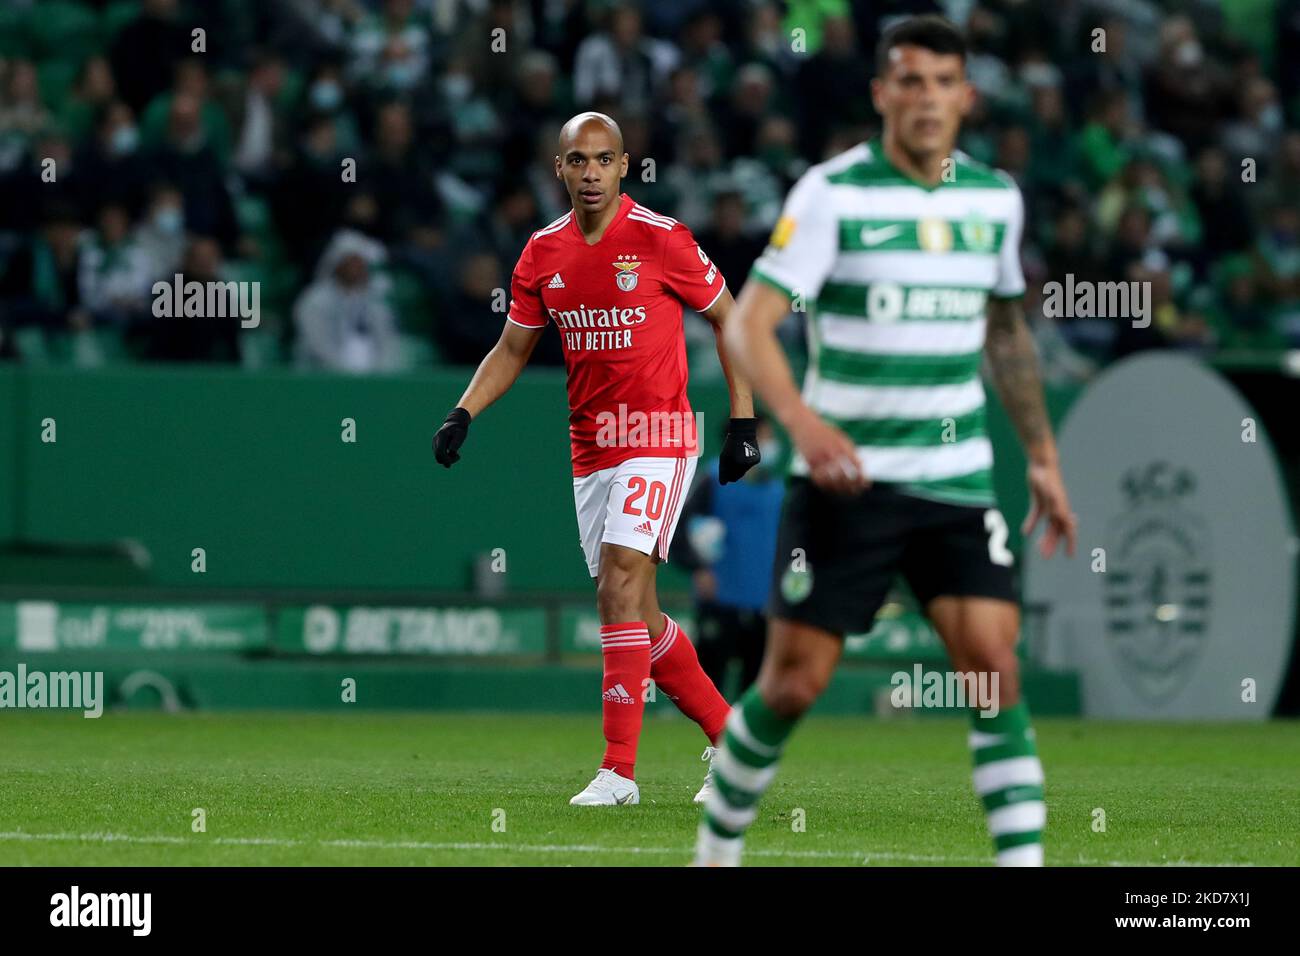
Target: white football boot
{"points": [[608, 790], [713, 850], [707, 788]]}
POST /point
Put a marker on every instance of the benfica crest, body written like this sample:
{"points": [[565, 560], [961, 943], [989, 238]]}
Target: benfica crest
{"points": [[1158, 585], [626, 278]]}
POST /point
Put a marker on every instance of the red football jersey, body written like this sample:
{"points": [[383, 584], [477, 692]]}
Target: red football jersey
{"points": [[618, 306]]}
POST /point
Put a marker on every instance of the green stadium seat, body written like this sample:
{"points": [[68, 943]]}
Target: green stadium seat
{"points": [[61, 28], [415, 352], [253, 213], [30, 345], [115, 16], [56, 78], [410, 303], [14, 39]]}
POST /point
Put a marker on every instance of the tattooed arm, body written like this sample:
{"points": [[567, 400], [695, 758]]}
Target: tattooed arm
{"points": [[1014, 363]]}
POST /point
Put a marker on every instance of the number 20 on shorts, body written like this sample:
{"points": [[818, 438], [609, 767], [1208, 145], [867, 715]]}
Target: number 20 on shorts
{"points": [[654, 504]]}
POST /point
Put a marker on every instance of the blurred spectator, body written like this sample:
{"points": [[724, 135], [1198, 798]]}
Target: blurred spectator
{"points": [[1278, 255], [513, 219], [1173, 222], [453, 142], [1184, 90], [402, 182], [391, 49], [744, 112], [729, 545], [22, 114], [1258, 126], [261, 126], [1117, 69], [471, 324], [192, 83], [307, 203], [704, 52], [40, 285], [822, 80], [476, 127], [186, 159], [1238, 308], [146, 51], [622, 63], [1220, 203], [341, 319], [766, 41], [206, 338], [93, 91], [161, 233], [47, 178], [1104, 142], [114, 272], [725, 241], [111, 159], [534, 106]]}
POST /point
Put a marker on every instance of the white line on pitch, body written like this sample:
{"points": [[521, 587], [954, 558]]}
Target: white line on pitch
{"points": [[865, 857]]}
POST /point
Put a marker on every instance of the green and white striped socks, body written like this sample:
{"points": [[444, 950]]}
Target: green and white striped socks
{"points": [[742, 770], [1009, 781]]}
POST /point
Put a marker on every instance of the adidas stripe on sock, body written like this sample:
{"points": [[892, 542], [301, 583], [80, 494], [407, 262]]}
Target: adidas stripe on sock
{"points": [[625, 650], [675, 669]]}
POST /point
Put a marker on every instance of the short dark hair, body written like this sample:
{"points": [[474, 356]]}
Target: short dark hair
{"points": [[930, 31]]}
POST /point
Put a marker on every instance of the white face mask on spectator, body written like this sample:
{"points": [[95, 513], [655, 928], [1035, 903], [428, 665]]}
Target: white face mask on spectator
{"points": [[124, 140], [1189, 53], [457, 86], [169, 220], [402, 75], [326, 95]]}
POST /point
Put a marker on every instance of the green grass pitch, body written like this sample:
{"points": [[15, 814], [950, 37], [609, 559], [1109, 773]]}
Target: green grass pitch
{"points": [[427, 789]]}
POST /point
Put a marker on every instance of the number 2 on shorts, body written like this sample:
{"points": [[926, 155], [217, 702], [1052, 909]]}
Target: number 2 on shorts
{"points": [[996, 526]]}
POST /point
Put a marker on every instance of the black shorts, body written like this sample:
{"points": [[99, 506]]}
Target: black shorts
{"points": [[837, 556]]}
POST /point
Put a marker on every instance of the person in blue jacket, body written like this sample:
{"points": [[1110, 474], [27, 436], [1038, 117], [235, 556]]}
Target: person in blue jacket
{"points": [[729, 546]]}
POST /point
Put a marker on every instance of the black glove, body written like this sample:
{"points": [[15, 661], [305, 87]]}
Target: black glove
{"points": [[739, 450], [451, 436]]}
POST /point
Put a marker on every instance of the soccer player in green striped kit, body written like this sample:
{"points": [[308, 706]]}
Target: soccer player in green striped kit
{"points": [[906, 253]]}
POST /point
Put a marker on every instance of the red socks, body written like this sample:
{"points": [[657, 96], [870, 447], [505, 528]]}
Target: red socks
{"points": [[629, 660], [676, 670], [626, 652]]}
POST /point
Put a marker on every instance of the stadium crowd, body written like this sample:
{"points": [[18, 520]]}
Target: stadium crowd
{"points": [[377, 165]]}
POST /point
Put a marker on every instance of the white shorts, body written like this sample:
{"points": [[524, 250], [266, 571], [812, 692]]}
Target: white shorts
{"points": [[635, 503]]}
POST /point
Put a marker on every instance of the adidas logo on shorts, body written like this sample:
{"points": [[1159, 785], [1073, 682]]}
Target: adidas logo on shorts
{"points": [[645, 528], [617, 694]]}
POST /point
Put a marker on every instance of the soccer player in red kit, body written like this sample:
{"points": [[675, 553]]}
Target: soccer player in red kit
{"points": [[613, 277]]}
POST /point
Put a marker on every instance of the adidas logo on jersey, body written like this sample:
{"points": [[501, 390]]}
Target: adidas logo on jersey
{"points": [[556, 282], [618, 695], [644, 528]]}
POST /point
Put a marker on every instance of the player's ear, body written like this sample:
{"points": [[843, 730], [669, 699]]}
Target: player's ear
{"points": [[877, 88], [623, 171], [558, 174]]}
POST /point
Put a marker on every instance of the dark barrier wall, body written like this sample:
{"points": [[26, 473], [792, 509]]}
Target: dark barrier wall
{"points": [[251, 467]]}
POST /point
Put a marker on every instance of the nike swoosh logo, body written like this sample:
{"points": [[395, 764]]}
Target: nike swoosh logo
{"points": [[874, 237], [623, 799]]}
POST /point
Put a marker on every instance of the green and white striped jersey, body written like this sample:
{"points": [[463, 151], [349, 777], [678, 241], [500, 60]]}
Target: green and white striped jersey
{"points": [[894, 277]]}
